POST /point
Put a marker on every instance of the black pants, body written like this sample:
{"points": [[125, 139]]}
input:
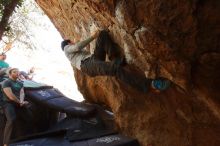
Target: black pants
{"points": [[10, 114], [96, 65], [11, 111]]}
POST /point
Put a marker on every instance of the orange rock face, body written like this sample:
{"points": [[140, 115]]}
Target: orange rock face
{"points": [[178, 40]]}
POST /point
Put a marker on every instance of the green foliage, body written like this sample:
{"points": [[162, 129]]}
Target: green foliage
{"points": [[9, 4], [8, 31], [20, 2], [4, 3]]}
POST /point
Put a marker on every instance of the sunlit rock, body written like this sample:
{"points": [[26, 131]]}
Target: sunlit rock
{"points": [[178, 40]]}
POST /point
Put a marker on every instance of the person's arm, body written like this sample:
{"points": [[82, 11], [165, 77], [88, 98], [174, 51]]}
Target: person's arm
{"points": [[22, 95], [10, 95], [80, 45]]}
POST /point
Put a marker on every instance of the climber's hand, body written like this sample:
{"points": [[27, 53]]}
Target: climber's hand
{"points": [[96, 33]]}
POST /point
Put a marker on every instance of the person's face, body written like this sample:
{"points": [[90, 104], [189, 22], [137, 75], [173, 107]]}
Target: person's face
{"points": [[14, 74], [1, 57], [4, 57]]}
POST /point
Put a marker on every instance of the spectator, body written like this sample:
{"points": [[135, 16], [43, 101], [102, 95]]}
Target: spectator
{"points": [[13, 97]]}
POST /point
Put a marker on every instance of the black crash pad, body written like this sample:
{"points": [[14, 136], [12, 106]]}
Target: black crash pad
{"points": [[111, 140], [74, 129], [53, 98]]}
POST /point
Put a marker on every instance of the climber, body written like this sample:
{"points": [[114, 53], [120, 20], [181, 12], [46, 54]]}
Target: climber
{"points": [[96, 64]]}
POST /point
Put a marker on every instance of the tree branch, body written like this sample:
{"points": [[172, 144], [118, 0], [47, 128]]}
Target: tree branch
{"points": [[6, 15]]}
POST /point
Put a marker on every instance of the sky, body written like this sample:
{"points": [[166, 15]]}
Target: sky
{"points": [[51, 65]]}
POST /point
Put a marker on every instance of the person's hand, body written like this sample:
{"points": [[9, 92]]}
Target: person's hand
{"points": [[21, 103], [96, 33], [24, 103]]}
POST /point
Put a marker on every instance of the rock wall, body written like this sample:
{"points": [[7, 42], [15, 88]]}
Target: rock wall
{"points": [[178, 40]]}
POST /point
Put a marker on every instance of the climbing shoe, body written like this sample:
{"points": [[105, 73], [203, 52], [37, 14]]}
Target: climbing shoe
{"points": [[161, 84]]}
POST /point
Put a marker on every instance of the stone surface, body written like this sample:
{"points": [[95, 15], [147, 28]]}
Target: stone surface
{"points": [[178, 40]]}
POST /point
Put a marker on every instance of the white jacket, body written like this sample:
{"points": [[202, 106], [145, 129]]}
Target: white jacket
{"points": [[76, 52]]}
